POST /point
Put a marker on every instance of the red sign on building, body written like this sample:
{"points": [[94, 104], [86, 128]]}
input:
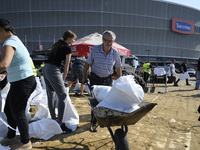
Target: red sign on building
{"points": [[182, 26]]}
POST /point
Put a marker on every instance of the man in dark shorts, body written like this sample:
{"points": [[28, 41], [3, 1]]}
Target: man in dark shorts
{"points": [[77, 73]]}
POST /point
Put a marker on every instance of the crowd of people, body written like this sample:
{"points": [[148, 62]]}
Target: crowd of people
{"points": [[103, 63], [146, 70]]}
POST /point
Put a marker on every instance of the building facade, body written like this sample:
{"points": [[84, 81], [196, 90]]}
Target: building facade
{"points": [[143, 26]]}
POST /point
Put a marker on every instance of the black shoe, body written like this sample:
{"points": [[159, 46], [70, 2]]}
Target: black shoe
{"points": [[65, 129], [188, 84], [175, 84]]}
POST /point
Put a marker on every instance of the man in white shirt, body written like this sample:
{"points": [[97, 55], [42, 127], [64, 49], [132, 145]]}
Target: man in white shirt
{"points": [[173, 73]]}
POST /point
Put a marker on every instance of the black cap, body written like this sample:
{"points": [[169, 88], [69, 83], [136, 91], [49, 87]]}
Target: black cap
{"points": [[3, 22]]}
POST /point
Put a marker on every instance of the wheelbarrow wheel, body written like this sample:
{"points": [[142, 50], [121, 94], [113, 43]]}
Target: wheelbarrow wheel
{"points": [[121, 140]]}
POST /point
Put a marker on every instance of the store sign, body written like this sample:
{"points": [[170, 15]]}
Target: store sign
{"points": [[182, 26]]}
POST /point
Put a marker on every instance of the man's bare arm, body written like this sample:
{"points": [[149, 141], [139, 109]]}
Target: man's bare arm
{"points": [[119, 72]]}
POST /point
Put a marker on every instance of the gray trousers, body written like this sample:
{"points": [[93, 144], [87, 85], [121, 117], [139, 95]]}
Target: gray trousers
{"points": [[54, 86]]}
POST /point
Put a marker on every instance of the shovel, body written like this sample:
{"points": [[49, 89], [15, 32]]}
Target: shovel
{"points": [[146, 88], [153, 88]]}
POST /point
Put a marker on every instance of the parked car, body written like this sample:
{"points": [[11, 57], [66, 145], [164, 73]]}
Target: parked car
{"points": [[162, 78], [191, 72]]}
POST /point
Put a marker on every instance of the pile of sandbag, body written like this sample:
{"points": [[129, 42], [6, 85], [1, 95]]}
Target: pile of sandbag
{"points": [[42, 127], [124, 95]]}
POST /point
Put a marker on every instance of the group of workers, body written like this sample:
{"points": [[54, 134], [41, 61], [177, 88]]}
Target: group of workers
{"points": [[146, 69], [16, 61]]}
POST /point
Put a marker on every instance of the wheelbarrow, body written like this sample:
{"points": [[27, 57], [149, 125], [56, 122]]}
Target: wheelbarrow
{"points": [[109, 118]]}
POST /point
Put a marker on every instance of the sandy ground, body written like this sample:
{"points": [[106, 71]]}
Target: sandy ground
{"points": [[169, 126]]}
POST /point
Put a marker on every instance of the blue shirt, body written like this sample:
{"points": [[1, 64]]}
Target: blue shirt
{"points": [[102, 64], [20, 66]]}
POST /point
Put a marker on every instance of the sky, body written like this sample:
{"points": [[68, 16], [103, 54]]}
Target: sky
{"points": [[190, 3]]}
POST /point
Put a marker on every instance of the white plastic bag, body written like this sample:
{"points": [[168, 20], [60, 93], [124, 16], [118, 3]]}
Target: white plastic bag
{"points": [[3, 127], [184, 76], [41, 98], [77, 87], [174, 73], [159, 71], [125, 95], [4, 93], [100, 91], [70, 116], [43, 112], [36, 100], [37, 90], [3, 147], [44, 129], [38, 86], [6, 89], [86, 89]]}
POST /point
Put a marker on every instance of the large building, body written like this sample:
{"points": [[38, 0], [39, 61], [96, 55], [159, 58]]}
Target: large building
{"points": [[154, 30]]}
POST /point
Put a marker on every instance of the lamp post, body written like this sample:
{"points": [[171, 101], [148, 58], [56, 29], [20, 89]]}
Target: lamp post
{"points": [[148, 50], [156, 54]]}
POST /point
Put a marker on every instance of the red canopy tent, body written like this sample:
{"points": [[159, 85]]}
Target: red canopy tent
{"points": [[84, 45]]}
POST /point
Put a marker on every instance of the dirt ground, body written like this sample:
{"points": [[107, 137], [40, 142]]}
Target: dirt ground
{"points": [[169, 125]]}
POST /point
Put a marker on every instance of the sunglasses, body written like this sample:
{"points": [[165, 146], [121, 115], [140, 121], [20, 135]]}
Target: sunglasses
{"points": [[107, 41]]}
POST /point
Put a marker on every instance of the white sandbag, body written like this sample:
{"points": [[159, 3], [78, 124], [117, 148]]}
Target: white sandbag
{"points": [[44, 129], [124, 96], [43, 112], [3, 127], [159, 71], [183, 76], [77, 87], [37, 90], [38, 86], [3, 147], [6, 89], [4, 93], [27, 112], [3, 102], [86, 89], [4, 118], [70, 116], [100, 91], [28, 117], [36, 100], [41, 98]]}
